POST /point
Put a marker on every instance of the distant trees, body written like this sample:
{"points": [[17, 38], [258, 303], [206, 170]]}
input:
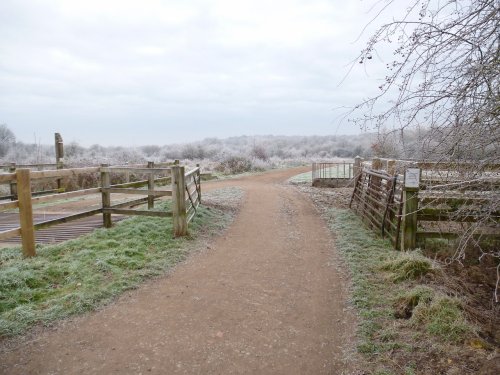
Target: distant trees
{"points": [[7, 139], [150, 150], [261, 151]]}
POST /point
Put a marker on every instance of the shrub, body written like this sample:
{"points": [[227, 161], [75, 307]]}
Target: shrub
{"points": [[234, 165]]}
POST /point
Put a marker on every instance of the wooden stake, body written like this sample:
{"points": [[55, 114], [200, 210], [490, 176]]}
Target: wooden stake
{"points": [[59, 156], [106, 196], [26, 212], [357, 166], [151, 186], [391, 167], [198, 184], [13, 184], [179, 201]]}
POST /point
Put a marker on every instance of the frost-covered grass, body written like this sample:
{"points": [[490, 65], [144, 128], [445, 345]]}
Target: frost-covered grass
{"points": [[82, 274], [385, 280], [302, 178]]}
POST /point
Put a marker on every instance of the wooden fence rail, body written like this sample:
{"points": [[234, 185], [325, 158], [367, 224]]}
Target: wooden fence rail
{"points": [[185, 190], [410, 212]]}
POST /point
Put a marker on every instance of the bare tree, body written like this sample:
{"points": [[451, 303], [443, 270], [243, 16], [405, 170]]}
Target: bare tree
{"points": [[443, 81], [445, 77]]}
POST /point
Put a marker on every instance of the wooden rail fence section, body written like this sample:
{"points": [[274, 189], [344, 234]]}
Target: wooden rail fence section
{"points": [[409, 214], [185, 190]]}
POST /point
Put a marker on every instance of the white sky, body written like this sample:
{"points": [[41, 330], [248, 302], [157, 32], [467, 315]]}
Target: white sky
{"points": [[123, 72]]}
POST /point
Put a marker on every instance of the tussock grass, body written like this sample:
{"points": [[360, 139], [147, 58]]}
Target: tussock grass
{"points": [[82, 274], [408, 266], [442, 316], [418, 294]]}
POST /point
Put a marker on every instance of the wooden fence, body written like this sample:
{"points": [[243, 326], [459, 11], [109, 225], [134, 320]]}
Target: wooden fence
{"points": [[409, 212], [184, 188], [11, 168]]}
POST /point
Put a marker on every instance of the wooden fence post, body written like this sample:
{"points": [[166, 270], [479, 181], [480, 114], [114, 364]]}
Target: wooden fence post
{"points": [[391, 167], [198, 183], [179, 201], [357, 165], [376, 164], [151, 186], [59, 156], [26, 211], [410, 209], [106, 196], [13, 184]]}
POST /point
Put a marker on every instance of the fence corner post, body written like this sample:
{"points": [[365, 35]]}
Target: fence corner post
{"points": [[151, 186], [106, 195], [179, 201], [26, 211], [409, 220]]}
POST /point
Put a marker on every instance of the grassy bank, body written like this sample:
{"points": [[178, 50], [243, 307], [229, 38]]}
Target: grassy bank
{"points": [[408, 323], [83, 274]]}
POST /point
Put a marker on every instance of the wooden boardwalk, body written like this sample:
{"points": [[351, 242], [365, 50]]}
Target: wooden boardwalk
{"points": [[55, 234]]}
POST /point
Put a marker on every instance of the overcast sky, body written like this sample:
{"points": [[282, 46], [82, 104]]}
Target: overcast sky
{"points": [[118, 72]]}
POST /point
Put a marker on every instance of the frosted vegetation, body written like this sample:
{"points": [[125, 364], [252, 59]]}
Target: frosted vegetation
{"points": [[230, 155]]}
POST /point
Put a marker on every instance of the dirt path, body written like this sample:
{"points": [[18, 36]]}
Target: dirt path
{"points": [[266, 298]]}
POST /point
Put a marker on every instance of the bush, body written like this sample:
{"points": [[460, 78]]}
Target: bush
{"points": [[234, 165]]}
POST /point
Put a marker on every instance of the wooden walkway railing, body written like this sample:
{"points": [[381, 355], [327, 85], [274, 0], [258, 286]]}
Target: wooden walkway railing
{"points": [[341, 170], [185, 190]]}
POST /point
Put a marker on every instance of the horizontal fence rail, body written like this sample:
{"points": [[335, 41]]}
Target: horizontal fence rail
{"points": [[184, 188]]}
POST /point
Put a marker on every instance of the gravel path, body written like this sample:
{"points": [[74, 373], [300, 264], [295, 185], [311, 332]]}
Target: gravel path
{"points": [[266, 297]]}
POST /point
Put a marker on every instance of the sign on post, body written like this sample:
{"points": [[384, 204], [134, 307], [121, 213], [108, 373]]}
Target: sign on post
{"points": [[412, 178]]}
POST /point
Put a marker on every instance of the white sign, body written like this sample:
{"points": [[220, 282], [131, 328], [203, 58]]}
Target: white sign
{"points": [[412, 178]]}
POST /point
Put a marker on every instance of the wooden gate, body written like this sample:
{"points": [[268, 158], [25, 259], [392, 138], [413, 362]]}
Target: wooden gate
{"points": [[378, 199]]}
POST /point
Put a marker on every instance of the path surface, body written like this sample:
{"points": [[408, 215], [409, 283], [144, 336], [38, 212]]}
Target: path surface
{"points": [[266, 298]]}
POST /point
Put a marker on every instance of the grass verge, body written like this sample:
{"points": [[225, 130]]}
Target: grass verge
{"points": [[83, 274], [302, 178], [405, 327]]}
